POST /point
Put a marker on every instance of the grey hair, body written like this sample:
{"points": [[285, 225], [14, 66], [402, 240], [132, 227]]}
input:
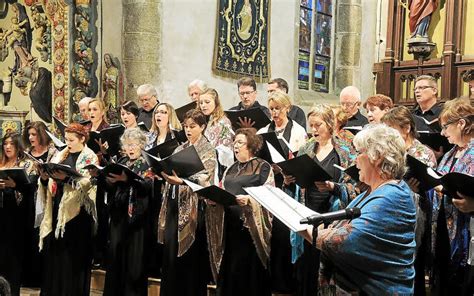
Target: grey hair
{"points": [[384, 143], [134, 134], [147, 89], [199, 84], [350, 91], [84, 100]]}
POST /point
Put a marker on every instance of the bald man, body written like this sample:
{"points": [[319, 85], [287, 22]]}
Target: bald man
{"points": [[349, 99]]}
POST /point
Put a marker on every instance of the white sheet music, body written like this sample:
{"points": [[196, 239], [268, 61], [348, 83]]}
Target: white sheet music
{"points": [[281, 205], [194, 187], [274, 154]]}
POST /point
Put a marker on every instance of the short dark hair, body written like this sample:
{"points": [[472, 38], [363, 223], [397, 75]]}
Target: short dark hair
{"points": [[281, 84], [379, 100], [247, 81], [401, 116], [468, 76], [131, 106], [254, 141], [40, 128], [197, 116]]}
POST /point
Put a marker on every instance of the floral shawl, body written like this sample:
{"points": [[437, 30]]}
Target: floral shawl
{"points": [[80, 193], [219, 132], [457, 222], [187, 200]]}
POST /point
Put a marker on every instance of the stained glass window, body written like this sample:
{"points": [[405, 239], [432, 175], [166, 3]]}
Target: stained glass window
{"points": [[315, 56]]}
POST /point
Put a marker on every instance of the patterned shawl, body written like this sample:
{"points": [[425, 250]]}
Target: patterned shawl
{"points": [[187, 200], [81, 193]]}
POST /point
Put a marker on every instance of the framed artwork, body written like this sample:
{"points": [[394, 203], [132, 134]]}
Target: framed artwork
{"points": [[303, 70]]}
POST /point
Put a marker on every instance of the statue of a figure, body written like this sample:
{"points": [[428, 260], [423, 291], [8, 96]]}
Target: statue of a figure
{"points": [[245, 20], [420, 16], [21, 37], [112, 81]]}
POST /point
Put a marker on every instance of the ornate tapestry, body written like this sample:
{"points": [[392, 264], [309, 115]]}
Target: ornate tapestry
{"points": [[242, 39]]}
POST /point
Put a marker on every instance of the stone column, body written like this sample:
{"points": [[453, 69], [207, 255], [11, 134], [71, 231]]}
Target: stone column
{"points": [[348, 43], [141, 43]]}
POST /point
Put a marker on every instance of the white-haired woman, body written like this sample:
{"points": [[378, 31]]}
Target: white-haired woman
{"points": [[374, 253], [129, 230], [195, 88]]}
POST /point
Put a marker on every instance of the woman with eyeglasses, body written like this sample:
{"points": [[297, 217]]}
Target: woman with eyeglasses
{"points": [[181, 225], [69, 219], [14, 200], [130, 228], [291, 136], [453, 230], [164, 125], [239, 240]]}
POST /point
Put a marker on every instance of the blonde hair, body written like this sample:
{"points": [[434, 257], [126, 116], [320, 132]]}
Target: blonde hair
{"points": [[101, 105], [325, 112], [340, 116], [457, 109], [173, 121], [218, 112], [281, 98], [383, 143]]}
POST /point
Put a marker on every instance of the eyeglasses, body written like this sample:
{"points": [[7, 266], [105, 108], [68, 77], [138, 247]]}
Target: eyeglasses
{"points": [[145, 99], [246, 93], [445, 126], [239, 143], [130, 146], [422, 87], [277, 110], [348, 104]]}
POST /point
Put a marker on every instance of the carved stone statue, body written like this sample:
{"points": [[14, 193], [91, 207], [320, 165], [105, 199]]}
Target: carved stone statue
{"points": [[112, 81]]}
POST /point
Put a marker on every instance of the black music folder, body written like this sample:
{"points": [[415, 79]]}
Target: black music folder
{"points": [[265, 152], [181, 111], [185, 162], [180, 135], [18, 175], [429, 178], [50, 168], [165, 149], [143, 127], [111, 135], [213, 193], [305, 170], [352, 171], [259, 118], [434, 140], [60, 125], [115, 168]]}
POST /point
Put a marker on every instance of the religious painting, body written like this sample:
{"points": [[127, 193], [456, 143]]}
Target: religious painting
{"points": [[324, 6], [305, 30], [303, 70], [323, 34], [321, 74], [242, 39]]}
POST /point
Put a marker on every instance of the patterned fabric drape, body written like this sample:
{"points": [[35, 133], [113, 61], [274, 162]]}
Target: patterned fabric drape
{"points": [[242, 39]]}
